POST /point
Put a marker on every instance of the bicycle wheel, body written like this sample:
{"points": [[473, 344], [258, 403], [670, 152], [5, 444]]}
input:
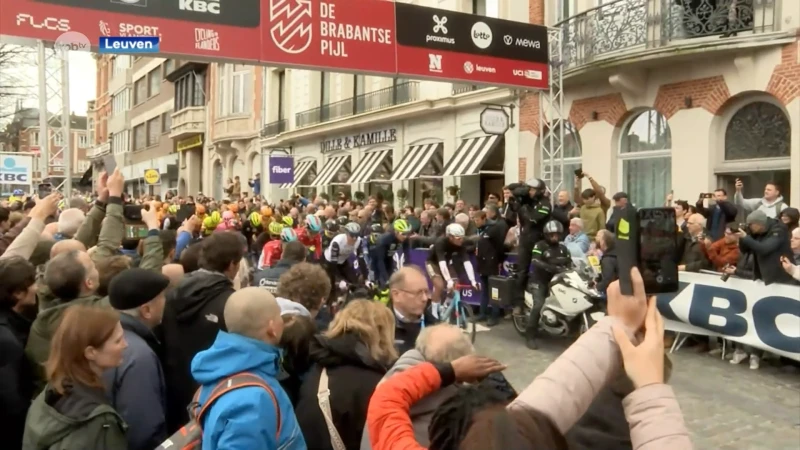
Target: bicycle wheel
{"points": [[467, 316]]}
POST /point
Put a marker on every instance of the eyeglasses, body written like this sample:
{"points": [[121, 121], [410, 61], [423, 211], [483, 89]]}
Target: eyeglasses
{"points": [[420, 293]]}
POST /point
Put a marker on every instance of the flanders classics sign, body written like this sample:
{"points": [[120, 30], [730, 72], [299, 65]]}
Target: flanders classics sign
{"points": [[359, 140]]}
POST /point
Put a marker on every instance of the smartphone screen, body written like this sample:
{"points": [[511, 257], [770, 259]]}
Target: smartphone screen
{"points": [[45, 189], [109, 164], [657, 249], [135, 231]]}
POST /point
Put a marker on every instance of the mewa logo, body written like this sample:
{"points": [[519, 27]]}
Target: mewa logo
{"points": [[290, 24]]}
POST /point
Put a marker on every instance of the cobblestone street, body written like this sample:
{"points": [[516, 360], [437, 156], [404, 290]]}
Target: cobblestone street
{"points": [[726, 407]]}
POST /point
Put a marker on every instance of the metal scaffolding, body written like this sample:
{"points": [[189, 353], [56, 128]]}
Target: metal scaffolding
{"points": [[551, 117], [54, 90]]}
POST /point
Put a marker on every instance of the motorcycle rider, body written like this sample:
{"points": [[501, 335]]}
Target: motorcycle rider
{"points": [[293, 252], [549, 257], [532, 208]]}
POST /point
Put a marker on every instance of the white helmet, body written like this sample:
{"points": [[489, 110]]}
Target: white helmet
{"points": [[455, 230], [353, 229]]}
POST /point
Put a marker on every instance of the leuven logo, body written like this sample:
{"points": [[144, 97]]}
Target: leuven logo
{"points": [[291, 24]]}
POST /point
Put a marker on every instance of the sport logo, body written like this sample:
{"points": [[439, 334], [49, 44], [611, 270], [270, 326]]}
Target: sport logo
{"points": [[434, 63], [481, 35], [439, 26], [291, 22], [205, 39]]}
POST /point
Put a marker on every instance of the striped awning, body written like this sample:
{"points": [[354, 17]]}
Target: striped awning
{"points": [[470, 156], [415, 160], [330, 169], [367, 166], [301, 169]]}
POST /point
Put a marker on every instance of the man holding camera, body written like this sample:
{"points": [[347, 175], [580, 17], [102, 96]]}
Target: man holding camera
{"points": [[533, 208], [768, 240]]}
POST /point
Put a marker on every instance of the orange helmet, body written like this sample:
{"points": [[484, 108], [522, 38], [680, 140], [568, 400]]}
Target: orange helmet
{"points": [[233, 207], [200, 210], [266, 211]]}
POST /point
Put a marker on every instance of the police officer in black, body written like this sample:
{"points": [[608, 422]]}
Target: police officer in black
{"points": [[549, 257], [532, 208], [293, 252]]}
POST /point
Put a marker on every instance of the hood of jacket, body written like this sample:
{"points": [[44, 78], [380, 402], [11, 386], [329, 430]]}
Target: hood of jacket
{"points": [[344, 350], [197, 289], [48, 318], [233, 353], [54, 416], [768, 204], [289, 307], [428, 404]]}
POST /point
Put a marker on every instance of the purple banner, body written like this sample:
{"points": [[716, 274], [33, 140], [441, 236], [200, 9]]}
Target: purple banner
{"points": [[281, 169]]}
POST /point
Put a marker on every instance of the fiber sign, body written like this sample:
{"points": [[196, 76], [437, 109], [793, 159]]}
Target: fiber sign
{"points": [[125, 44]]}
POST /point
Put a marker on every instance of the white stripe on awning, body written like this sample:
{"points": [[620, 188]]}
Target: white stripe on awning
{"points": [[415, 160], [470, 156], [329, 170], [300, 171], [367, 166]]}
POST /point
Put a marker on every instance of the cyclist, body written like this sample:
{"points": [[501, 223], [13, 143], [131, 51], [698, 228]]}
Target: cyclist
{"points": [[331, 231], [391, 247], [549, 256], [342, 220], [337, 258], [311, 236], [272, 249], [448, 261], [291, 254]]}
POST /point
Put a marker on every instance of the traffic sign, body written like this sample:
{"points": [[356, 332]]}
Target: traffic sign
{"points": [[495, 121]]}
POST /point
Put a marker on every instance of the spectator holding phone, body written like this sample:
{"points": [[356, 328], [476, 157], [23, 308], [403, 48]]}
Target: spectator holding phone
{"points": [[718, 215], [792, 265], [771, 204]]}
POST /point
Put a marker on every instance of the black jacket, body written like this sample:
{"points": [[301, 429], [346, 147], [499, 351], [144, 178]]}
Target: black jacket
{"points": [[268, 278], [745, 265], [491, 249], [192, 317], [609, 270], [717, 217], [768, 249], [16, 376], [613, 219], [561, 214], [405, 333], [532, 219], [352, 377], [692, 255], [509, 215]]}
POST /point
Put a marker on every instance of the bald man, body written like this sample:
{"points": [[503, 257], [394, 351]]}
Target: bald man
{"points": [[250, 345], [694, 259], [66, 245], [442, 343], [174, 272]]}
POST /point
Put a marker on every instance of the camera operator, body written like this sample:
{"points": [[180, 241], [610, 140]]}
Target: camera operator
{"points": [[528, 201], [768, 240]]}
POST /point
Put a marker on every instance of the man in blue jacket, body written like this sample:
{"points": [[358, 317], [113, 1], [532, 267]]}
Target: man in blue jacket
{"points": [[252, 417]]}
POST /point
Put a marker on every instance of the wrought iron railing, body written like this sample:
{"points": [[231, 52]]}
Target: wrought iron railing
{"points": [[626, 24], [371, 101], [273, 128], [460, 88]]}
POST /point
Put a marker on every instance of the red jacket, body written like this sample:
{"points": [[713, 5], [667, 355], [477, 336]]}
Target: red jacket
{"points": [[312, 242], [721, 254], [388, 419], [270, 254]]}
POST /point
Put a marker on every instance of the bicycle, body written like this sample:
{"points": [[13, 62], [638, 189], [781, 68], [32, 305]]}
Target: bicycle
{"points": [[458, 313]]}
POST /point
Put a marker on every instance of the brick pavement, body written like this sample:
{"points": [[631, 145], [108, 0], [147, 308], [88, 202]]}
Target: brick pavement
{"points": [[726, 407]]}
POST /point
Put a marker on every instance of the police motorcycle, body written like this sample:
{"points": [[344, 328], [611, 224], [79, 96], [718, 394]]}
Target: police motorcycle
{"points": [[572, 304]]}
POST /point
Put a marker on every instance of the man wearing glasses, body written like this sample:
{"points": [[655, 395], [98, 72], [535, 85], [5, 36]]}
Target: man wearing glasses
{"points": [[408, 298]]}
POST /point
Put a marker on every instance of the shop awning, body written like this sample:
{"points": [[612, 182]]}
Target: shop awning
{"points": [[415, 160], [367, 166], [301, 169], [330, 169], [470, 156]]}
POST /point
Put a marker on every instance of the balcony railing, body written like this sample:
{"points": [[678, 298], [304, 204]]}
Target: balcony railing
{"points": [[460, 88], [100, 150], [371, 101], [273, 128], [623, 25]]}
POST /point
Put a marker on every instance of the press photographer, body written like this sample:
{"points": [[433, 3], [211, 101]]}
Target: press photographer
{"points": [[532, 207], [768, 240]]}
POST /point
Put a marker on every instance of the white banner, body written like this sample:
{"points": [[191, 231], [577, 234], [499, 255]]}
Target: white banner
{"points": [[16, 172], [744, 311]]}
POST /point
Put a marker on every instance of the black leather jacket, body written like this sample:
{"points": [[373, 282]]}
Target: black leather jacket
{"points": [[268, 278]]}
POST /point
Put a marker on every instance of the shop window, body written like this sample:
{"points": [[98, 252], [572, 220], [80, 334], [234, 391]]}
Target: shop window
{"points": [[307, 192], [645, 159]]}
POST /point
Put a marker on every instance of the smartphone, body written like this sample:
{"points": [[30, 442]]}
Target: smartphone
{"points": [[657, 248], [579, 172], [135, 231], [109, 164], [707, 195], [45, 189]]}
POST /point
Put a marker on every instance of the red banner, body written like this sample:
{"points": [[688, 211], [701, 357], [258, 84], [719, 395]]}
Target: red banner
{"points": [[371, 36]]}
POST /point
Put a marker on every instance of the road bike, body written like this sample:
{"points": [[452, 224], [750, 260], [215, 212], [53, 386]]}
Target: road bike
{"points": [[459, 313]]}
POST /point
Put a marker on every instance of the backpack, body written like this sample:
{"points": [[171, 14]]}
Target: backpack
{"points": [[190, 436]]}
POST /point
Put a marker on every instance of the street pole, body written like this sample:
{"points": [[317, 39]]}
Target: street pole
{"points": [[66, 121], [44, 132]]}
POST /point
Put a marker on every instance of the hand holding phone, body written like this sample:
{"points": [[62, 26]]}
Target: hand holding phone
{"points": [[739, 185]]}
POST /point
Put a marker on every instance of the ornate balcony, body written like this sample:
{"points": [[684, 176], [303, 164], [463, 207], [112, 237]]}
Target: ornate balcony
{"points": [[98, 151], [364, 103], [274, 128], [625, 26], [188, 122]]}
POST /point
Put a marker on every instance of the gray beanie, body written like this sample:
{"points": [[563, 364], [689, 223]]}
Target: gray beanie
{"points": [[757, 217]]}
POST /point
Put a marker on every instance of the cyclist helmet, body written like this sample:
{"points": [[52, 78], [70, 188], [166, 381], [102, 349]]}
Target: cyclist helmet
{"points": [[313, 224], [332, 226], [288, 235], [255, 219], [553, 230], [455, 230], [266, 211], [401, 226], [173, 209], [376, 228], [200, 210], [352, 229], [288, 221], [342, 220], [216, 217], [209, 223], [275, 228]]}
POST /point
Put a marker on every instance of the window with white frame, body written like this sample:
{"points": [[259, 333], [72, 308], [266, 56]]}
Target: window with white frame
{"points": [[120, 64], [120, 102], [153, 130], [222, 94], [119, 142], [90, 126], [240, 87], [34, 138], [189, 91], [166, 122], [572, 153], [58, 138], [564, 9], [488, 8], [83, 141], [645, 159], [140, 136], [140, 90], [154, 82]]}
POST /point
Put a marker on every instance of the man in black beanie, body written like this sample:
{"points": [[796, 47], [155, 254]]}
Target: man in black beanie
{"points": [[137, 388]]}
